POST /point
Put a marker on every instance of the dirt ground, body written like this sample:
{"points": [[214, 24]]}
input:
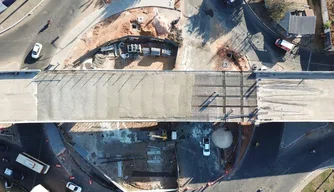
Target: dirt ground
{"points": [[156, 23], [318, 42], [226, 62], [247, 131], [330, 7], [142, 63], [177, 4]]}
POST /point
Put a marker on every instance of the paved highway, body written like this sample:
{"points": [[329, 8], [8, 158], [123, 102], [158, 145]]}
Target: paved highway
{"points": [[274, 169], [33, 142], [16, 44]]}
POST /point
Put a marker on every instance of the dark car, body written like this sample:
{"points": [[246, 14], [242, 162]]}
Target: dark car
{"points": [[229, 2], [4, 148], [14, 174]]}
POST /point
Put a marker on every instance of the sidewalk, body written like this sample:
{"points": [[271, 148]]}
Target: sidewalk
{"points": [[16, 13], [116, 6], [312, 175]]}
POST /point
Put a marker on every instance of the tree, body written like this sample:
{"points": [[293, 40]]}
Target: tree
{"points": [[276, 9]]}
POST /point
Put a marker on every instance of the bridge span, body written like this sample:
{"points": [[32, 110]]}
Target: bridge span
{"points": [[83, 96], [295, 96], [206, 96]]}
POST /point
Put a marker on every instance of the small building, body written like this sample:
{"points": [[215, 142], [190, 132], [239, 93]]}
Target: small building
{"points": [[299, 23], [155, 51]]}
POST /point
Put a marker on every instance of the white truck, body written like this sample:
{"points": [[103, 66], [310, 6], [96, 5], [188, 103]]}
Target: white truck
{"points": [[39, 188]]}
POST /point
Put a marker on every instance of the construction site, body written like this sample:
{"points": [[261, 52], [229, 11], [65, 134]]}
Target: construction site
{"points": [[144, 38], [150, 155]]}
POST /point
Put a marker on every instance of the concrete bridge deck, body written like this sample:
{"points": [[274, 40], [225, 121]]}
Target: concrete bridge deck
{"points": [[82, 96], [295, 96]]}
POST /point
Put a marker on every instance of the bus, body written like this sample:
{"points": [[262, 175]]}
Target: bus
{"points": [[32, 163]]}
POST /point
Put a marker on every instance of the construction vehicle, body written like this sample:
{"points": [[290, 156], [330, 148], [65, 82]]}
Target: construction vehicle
{"points": [[162, 136]]}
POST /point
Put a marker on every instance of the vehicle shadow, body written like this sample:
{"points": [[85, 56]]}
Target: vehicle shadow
{"points": [[29, 59]]}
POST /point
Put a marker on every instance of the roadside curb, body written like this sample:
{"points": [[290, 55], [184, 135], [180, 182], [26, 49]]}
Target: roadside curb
{"points": [[301, 185], [20, 20]]}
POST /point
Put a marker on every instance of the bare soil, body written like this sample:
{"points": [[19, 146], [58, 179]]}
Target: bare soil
{"points": [[247, 131], [318, 42], [330, 8], [156, 23], [229, 60]]}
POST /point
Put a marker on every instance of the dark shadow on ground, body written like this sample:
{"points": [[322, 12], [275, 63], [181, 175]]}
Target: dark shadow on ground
{"points": [[43, 29], [268, 159], [214, 19], [29, 60], [320, 62], [269, 53]]}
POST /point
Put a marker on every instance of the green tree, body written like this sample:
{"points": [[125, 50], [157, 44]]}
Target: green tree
{"points": [[276, 9]]}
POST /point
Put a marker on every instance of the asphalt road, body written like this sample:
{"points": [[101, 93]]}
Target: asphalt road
{"points": [[34, 143], [16, 44], [274, 169]]}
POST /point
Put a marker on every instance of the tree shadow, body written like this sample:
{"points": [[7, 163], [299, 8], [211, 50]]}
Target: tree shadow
{"points": [[262, 40], [214, 19], [88, 3]]}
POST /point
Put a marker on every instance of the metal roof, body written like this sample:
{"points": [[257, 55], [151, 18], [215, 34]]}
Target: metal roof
{"points": [[302, 25]]}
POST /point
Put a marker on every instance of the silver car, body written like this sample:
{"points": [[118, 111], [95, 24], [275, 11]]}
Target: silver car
{"points": [[73, 187], [206, 146]]}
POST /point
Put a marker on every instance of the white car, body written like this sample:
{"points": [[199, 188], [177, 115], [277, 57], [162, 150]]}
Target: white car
{"points": [[36, 51], [206, 146], [73, 187]]}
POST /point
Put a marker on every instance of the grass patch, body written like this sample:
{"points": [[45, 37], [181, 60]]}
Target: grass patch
{"points": [[323, 183]]}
